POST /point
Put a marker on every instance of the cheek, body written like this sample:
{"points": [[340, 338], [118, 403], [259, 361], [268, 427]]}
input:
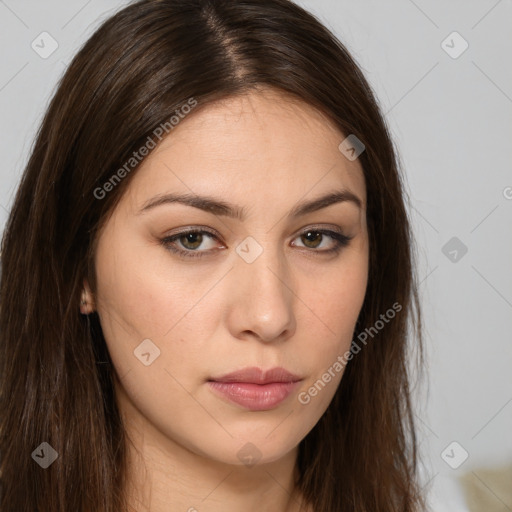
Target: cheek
{"points": [[136, 291], [338, 300], [330, 322], [141, 299]]}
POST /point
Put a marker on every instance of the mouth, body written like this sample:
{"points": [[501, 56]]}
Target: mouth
{"points": [[255, 389]]}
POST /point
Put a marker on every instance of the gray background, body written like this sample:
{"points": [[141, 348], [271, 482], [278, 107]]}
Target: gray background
{"points": [[452, 121]]}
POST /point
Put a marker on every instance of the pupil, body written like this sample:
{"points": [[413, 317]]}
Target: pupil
{"points": [[313, 234], [189, 239]]}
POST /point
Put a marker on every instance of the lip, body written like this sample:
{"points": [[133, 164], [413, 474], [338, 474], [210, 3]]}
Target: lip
{"points": [[255, 389], [256, 375]]}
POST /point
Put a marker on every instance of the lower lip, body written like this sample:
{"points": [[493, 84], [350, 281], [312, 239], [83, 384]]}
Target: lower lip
{"points": [[255, 397]]}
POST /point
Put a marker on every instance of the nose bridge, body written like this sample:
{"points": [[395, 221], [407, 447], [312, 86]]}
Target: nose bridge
{"points": [[264, 299]]}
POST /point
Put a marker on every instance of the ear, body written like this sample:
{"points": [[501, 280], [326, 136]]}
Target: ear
{"points": [[87, 303]]}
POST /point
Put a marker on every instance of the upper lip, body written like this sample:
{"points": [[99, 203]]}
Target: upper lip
{"points": [[256, 375]]}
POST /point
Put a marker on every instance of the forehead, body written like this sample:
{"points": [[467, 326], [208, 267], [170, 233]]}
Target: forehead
{"points": [[264, 143]]}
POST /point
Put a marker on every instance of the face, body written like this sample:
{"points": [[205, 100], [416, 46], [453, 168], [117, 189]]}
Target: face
{"points": [[186, 295]]}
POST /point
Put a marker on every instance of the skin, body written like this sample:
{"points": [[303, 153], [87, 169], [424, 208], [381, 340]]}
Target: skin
{"points": [[294, 306]]}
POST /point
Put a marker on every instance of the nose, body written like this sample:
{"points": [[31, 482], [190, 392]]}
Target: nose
{"points": [[262, 298]]}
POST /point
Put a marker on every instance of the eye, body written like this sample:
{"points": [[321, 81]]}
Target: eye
{"points": [[192, 239], [313, 238]]}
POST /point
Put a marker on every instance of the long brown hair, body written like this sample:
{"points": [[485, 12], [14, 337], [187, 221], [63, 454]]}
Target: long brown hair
{"points": [[138, 68]]}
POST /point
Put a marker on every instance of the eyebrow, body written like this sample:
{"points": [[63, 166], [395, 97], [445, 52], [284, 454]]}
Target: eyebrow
{"points": [[223, 208]]}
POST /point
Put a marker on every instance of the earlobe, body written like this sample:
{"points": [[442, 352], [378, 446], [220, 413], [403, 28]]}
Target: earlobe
{"points": [[86, 299]]}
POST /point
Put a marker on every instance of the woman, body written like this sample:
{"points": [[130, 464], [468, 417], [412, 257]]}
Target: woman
{"points": [[207, 277]]}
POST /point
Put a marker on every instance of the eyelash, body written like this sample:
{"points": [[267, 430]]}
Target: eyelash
{"points": [[340, 239]]}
